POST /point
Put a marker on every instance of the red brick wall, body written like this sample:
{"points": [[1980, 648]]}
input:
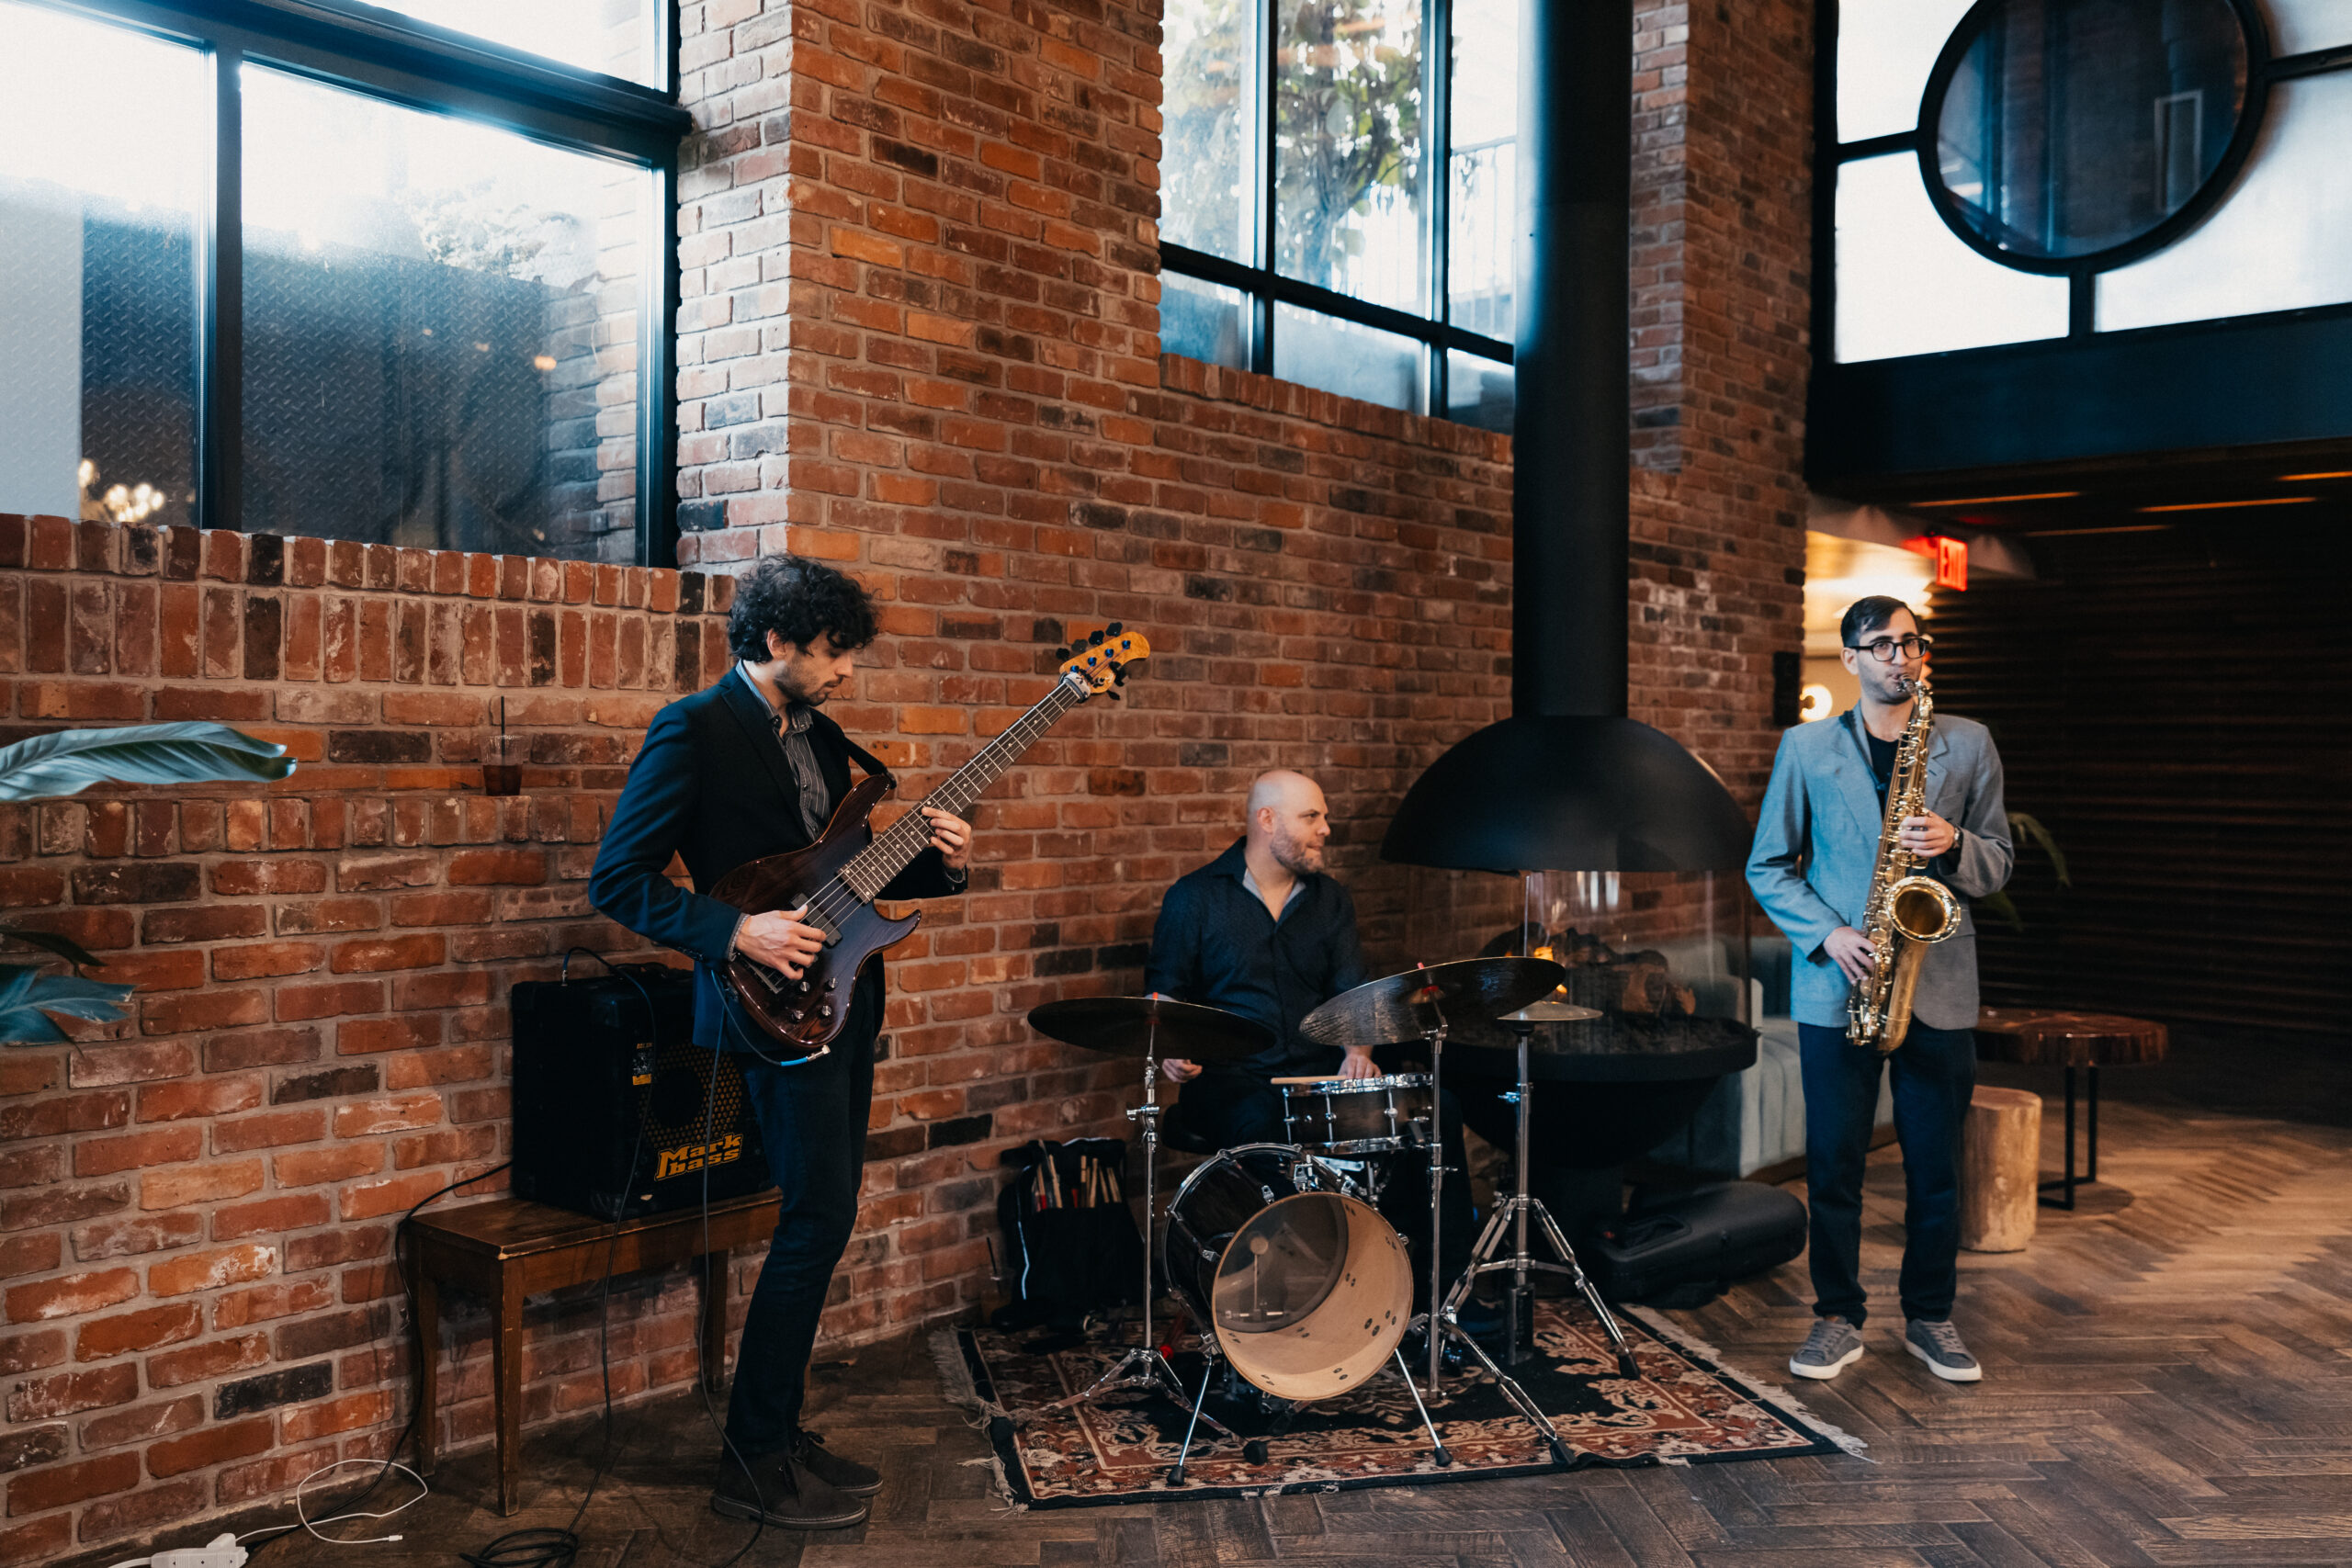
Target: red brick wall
{"points": [[1723, 128], [195, 1206]]}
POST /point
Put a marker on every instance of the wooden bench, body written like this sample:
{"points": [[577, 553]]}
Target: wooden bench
{"points": [[2057, 1037], [507, 1250]]}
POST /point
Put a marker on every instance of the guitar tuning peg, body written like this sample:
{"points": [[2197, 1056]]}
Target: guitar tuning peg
{"points": [[1122, 675], [1115, 693], [1114, 629], [1094, 641], [1061, 653]]}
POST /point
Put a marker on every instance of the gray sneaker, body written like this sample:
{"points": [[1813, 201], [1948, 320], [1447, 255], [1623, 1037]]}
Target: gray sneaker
{"points": [[1937, 1342], [1832, 1347]]}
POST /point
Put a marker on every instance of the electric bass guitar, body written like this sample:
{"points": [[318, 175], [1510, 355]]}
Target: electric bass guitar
{"points": [[838, 877]]}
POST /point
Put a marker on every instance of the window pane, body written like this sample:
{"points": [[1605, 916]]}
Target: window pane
{"points": [[1201, 321], [99, 201], [440, 330], [1348, 149], [1479, 392], [1341, 356], [1907, 284], [1205, 150], [2067, 130], [1885, 49], [2298, 27], [1482, 203], [2280, 240], [615, 37]]}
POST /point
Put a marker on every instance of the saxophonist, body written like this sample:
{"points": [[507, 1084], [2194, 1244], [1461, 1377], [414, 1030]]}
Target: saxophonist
{"points": [[1817, 843]]}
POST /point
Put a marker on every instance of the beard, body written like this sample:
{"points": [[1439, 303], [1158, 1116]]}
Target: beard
{"points": [[1295, 854]]}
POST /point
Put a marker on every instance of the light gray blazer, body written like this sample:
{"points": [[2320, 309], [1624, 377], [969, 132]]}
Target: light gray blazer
{"points": [[1816, 843]]}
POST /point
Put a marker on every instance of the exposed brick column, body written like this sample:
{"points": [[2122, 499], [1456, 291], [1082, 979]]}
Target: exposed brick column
{"points": [[1722, 266]]}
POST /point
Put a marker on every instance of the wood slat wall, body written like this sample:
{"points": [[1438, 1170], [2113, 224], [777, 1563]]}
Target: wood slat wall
{"points": [[2173, 706]]}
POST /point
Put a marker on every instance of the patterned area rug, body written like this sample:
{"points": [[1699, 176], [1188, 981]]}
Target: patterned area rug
{"points": [[1118, 1449]]}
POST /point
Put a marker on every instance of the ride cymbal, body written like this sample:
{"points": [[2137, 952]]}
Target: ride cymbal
{"points": [[1129, 1026]]}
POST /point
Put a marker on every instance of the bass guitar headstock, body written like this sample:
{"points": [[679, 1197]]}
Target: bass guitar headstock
{"points": [[1101, 659]]}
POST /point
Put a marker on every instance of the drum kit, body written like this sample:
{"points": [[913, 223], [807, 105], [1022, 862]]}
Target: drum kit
{"points": [[1302, 1287]]}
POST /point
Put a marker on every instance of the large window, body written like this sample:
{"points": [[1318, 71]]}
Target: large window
{"points": [[332, 270], [1337, 195], [2020, 171]]}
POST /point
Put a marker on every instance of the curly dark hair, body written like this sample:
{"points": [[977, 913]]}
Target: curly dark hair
{"points": [[797, 600], [1866, 616]]}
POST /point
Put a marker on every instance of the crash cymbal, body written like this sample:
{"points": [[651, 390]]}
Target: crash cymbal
{"points": [[1404, 1007], [1128, 1026], [1549, 1012]]}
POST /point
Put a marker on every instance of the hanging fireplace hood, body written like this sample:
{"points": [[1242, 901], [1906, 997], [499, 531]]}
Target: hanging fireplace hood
{"points": [[1568, 782]]}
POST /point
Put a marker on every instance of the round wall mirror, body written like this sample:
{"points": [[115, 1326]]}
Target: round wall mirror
{"points": [[2062, 130]]}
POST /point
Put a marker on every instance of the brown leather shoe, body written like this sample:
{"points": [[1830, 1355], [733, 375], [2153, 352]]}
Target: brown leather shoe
{"points": [[843, 1475], [783, 1493]]}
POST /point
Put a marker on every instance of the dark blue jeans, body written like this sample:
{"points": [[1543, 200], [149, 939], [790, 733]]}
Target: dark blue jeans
{"points": [[812, 1118], [1934, 1074]]}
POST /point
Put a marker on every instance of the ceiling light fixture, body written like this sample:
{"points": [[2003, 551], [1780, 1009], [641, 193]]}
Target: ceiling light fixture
{"points": [[2001, 499], [2228, 505]]}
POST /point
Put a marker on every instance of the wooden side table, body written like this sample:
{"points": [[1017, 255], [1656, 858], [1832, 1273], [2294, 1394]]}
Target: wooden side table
{"points": [[2058, 1037], [507, 1250]]}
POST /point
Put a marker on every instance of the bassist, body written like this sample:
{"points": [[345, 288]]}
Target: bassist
{"points": [[749, 768]]}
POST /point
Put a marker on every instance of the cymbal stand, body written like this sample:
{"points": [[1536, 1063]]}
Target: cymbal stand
{"points": [[1515, 1212], [1144, 1365], [1440, 1323]]}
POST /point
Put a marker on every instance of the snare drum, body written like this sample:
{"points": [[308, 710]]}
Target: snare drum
{"points": [[1357, 1116], [1305, 1289]]}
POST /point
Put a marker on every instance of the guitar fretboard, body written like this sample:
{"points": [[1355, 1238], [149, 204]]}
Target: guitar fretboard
{"points": [[873, 867]]}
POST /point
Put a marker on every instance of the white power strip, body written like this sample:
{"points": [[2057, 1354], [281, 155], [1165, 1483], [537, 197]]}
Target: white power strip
{"points": [[221, 1552]]}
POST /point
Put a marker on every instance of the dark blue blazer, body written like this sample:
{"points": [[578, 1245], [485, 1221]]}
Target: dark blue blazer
{"points": [[712, 784]]}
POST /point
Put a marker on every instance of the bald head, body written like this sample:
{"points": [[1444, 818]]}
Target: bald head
{"points": [[1288, 821]]}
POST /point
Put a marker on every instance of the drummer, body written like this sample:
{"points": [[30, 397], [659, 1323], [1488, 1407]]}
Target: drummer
{"points": [[1264, 930]]}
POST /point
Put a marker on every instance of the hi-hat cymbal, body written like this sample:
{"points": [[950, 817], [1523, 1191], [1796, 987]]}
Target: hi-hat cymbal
{"points": [[1129, 1026], [1404, 1007], [1550, 1011]]}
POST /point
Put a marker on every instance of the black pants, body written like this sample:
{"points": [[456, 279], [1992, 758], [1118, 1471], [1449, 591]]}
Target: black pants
{"points": [[1934, 1074], [1229, 1107], [812, 1118]]}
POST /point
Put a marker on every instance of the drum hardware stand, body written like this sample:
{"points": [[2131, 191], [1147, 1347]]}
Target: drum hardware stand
{"points": [[1515, 1212], [1145, 1363], [1253, 1451]]}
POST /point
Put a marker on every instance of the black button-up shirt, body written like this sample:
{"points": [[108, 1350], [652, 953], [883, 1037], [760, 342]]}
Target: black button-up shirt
{"points": [[1216, 945]]}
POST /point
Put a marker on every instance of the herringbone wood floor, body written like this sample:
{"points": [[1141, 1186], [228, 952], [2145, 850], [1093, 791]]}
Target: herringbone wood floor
{"points": [[2167, 1382]]}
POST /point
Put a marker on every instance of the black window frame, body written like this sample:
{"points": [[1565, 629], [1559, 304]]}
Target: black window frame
{"points": [[1266, 287], [397, 58]]}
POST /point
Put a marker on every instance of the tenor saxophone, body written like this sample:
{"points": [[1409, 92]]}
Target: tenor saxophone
{"points": [[1908, 912]]}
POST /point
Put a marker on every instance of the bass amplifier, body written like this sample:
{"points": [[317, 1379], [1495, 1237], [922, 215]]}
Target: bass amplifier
{"points": [[618, 1112]]}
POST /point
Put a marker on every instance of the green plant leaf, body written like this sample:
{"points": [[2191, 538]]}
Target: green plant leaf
{"points": [[2022, 826], [70, 761], [50, 942], [27, 996], [2001, 908]]}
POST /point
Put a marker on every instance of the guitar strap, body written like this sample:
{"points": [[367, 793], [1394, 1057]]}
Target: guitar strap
{"points": [[874, 767]]}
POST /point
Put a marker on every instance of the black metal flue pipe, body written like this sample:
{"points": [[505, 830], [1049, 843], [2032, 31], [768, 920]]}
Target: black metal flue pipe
{"points": [[1570, 782], [1570, 433]]}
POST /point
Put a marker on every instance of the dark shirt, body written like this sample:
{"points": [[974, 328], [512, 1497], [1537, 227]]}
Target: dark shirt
{"points": [[1882, 764], [792, 728], [1216, 945]]}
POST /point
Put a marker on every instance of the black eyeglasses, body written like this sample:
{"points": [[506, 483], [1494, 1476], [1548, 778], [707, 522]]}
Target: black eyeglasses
{"points": [[1883, 649]]}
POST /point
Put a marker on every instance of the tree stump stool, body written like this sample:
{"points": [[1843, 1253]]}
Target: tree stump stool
{"points": [[2000, 1169], [2057, 1037]]}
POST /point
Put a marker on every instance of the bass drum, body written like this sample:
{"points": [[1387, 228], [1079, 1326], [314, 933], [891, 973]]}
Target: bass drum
{"points": [[1306, 1290]]}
